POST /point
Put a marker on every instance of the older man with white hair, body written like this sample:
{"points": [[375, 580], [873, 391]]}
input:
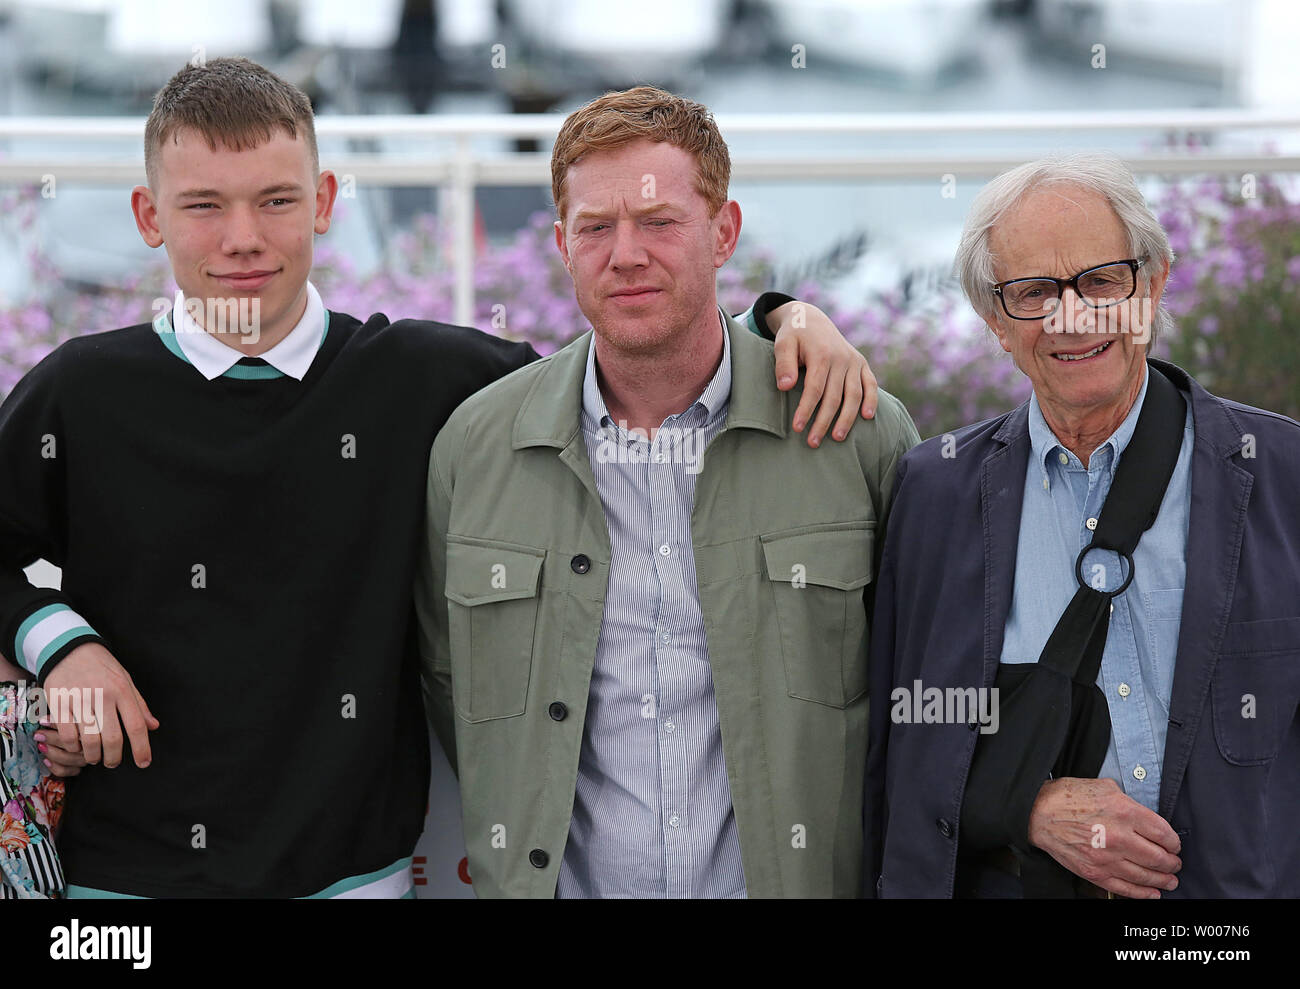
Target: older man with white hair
{"points": [[1113, 569]]}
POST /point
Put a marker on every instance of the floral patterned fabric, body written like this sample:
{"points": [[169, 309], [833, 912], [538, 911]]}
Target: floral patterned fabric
{"points": [[31, 802]]}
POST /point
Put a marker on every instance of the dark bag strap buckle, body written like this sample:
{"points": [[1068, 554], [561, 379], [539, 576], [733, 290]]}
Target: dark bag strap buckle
{"points": [[1078, 571]]}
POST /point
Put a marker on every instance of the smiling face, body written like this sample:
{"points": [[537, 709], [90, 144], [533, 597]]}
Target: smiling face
{"points": [[239, 224], [641, 247], [1094, 371]]}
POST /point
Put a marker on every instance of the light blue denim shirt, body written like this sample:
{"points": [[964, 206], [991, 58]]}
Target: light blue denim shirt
{"points": [[1137, 668], [652, 812]]}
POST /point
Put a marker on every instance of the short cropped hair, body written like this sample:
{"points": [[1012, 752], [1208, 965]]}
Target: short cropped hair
{"points": [[644, 113], [232, 102], [1101, 172]]}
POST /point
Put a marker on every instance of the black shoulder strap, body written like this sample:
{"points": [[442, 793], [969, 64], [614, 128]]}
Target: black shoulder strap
{"points": [[1142, 477], [1076, 644]]}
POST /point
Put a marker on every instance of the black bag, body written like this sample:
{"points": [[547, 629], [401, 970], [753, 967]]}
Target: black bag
{"points": [[1053, 718]]}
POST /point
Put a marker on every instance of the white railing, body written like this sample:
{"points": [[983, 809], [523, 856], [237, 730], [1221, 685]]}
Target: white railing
{"points": [[458, 170]]}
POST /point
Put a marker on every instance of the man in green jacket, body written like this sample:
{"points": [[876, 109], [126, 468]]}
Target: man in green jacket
{"points": [[643, 604]]}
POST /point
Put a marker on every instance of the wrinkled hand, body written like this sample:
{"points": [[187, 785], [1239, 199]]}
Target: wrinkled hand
{"points": [[835, 375], [1136, 855], [98, 734]]}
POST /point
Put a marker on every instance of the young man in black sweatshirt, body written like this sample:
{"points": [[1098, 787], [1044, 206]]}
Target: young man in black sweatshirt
{"points": [[235, 494]]}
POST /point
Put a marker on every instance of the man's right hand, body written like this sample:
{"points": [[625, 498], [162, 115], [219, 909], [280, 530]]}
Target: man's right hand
{"points": [[92, 666], [1134, 853]]}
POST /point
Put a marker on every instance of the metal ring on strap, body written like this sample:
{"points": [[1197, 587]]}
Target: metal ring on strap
{"points": [[1078, 570]]}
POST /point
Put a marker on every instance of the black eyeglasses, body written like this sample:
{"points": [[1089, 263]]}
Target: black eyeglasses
{"points": [[1105, 285]]}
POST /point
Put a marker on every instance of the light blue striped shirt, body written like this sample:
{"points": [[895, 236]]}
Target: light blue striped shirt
{"points": [[652, 813], [1137, 667]]}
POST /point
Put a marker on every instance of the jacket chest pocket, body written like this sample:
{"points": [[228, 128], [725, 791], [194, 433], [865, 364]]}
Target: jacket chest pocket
{"points": [[1256, 689], [817, 576], [492, 593]]}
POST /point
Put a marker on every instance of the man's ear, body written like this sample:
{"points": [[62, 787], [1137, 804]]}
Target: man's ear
{"points": [[727, 228], [1156, 284], [145, 209], [995, 324], [327, 190], [563, 246]]}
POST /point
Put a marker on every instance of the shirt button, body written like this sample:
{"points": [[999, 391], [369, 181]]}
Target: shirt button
{"points": [[945, 827], [1063, 458], [557, 711], [664, 550], [1139, 773], [1125, 690], [1091, 523], [580, 563], [669, 727], [661, 458], [538, 858], [674, 821]]}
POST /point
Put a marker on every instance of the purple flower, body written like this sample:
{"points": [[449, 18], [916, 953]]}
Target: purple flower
{"points": [[1237, 271]]}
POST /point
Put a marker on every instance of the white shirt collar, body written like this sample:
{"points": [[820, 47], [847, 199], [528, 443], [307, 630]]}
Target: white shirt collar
{"points": [[291, 356]]}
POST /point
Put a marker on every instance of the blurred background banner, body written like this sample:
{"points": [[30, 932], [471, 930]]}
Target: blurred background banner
{"points": [[860, 131]]}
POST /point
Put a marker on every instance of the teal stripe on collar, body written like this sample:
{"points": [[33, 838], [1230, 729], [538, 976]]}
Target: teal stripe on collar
{"points": [[245, 373], [163, 327]]}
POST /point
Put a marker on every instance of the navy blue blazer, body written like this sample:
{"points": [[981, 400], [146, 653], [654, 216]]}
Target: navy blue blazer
{"points": [[1230, 785]]}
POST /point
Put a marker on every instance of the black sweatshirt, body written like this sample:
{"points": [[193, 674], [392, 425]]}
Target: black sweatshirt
{"points": [[245, 547]]}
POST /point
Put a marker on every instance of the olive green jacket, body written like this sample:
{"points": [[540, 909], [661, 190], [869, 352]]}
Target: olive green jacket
{"points": [[511, 593]]}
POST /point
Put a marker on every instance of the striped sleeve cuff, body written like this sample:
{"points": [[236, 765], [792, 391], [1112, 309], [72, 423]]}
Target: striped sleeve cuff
{"points": [[48, 634], [746, 319], [755, 318]]}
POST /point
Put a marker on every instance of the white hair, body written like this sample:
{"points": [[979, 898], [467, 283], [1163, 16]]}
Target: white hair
{"points": [[1101, 172]]}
